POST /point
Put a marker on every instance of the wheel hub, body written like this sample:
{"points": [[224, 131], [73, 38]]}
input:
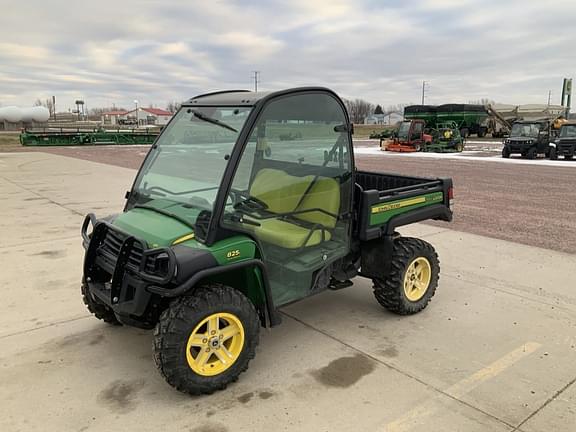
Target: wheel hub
{"points": [[215, 344], [417, 278]]}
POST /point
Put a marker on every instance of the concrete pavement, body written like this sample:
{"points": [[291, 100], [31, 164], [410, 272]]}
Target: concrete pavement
{"points": [[494, 351]]}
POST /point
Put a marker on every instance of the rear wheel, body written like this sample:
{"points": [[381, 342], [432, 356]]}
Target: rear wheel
{"points": [[205, 341], [568, 157], [413, 278], [505, 152], [464, 132], [99, 310]]}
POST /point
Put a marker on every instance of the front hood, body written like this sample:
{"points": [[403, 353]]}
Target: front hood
{"points": [[156, 229]]}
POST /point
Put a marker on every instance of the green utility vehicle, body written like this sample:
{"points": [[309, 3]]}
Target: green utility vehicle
{"points": [[565, 144], [226, 222], [446, 138], [529, 138]]}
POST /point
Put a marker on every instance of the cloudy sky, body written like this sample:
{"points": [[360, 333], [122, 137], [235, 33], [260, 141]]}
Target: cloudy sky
{"points": [[112, 52]]}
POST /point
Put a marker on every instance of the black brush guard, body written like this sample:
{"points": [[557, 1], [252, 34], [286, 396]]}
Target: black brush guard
{"points": [[128, 263]]}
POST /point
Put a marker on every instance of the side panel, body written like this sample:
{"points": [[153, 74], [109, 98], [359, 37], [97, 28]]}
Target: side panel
{"points": [[382, 213], [234, 249]]}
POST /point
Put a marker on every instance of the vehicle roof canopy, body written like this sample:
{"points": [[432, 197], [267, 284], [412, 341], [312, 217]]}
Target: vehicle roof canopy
{"points": [[289, 110]]}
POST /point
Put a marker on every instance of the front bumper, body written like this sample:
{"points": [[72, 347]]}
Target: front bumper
{"points": [[119, 268], [566, 148], [519, 146]]}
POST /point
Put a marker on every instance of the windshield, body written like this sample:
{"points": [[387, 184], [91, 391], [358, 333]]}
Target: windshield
{"points": [[403, 130], [525, 130], [181, 175], [568, 131]]}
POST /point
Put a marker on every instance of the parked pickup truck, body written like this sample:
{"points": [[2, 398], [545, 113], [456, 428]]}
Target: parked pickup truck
{"points": [[227, 220]]}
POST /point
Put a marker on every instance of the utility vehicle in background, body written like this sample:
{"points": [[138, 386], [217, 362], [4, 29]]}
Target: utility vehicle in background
{"points": [[529, 138], [565, 144], [225, 223], [446, 138], [409, 137]]}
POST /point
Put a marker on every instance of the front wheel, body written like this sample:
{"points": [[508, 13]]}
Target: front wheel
{"points": [[505, 152], [205, 341], [413, 279], [553, 154], [99, 310], [532, 153]]}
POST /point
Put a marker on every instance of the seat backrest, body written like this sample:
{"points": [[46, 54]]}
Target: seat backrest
{"points": [[280, 191], [324, 194]]}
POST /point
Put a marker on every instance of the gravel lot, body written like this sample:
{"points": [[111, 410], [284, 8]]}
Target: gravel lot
{"points": [[529, 204]]}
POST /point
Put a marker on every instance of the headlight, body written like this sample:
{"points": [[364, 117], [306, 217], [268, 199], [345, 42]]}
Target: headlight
{"points": [[157, 265]]}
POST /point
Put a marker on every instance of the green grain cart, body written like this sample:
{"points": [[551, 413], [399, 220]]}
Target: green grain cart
{"points": [[470, 119]]}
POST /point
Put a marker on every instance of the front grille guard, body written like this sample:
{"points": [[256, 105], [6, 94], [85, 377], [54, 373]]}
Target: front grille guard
{"points": [[93, 241]]}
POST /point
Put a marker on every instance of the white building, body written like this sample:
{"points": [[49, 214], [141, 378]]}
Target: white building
{"points": [[112, 118], [146, 117], [383, 119], [149, 116]]}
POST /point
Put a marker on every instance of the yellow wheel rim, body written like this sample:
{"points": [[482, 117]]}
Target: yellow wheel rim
{"points": [[417, 278], [215, 344]]}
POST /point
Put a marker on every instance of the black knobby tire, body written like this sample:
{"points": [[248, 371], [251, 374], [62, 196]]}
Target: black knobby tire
{"points": [[178, 321], [531, 153], [99, 310], [390, 292], [505, 152], [553, 154], [568, 157]]}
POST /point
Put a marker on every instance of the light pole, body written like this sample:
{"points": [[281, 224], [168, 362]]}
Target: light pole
{"points": [[137, 120]]}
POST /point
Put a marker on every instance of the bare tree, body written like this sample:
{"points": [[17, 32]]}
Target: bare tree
{"points": [[99, 111], [395, 109], [483, 101], [358, 109], [173, 106], [47, 104]]}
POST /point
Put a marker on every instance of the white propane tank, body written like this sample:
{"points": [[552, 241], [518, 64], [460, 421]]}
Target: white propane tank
{"points": [[11, 114], [38, 114]]}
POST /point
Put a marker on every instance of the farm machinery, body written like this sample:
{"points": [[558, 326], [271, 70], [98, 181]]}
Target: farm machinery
{"points": [[414, 136]]}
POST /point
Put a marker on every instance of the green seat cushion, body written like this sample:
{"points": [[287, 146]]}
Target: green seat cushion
{"points": [[288, 235], [324, 194], [280, 191], [285, 193]]}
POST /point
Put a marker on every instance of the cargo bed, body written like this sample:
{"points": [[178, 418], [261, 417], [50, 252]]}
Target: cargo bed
{"points": [[388, 201]]}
